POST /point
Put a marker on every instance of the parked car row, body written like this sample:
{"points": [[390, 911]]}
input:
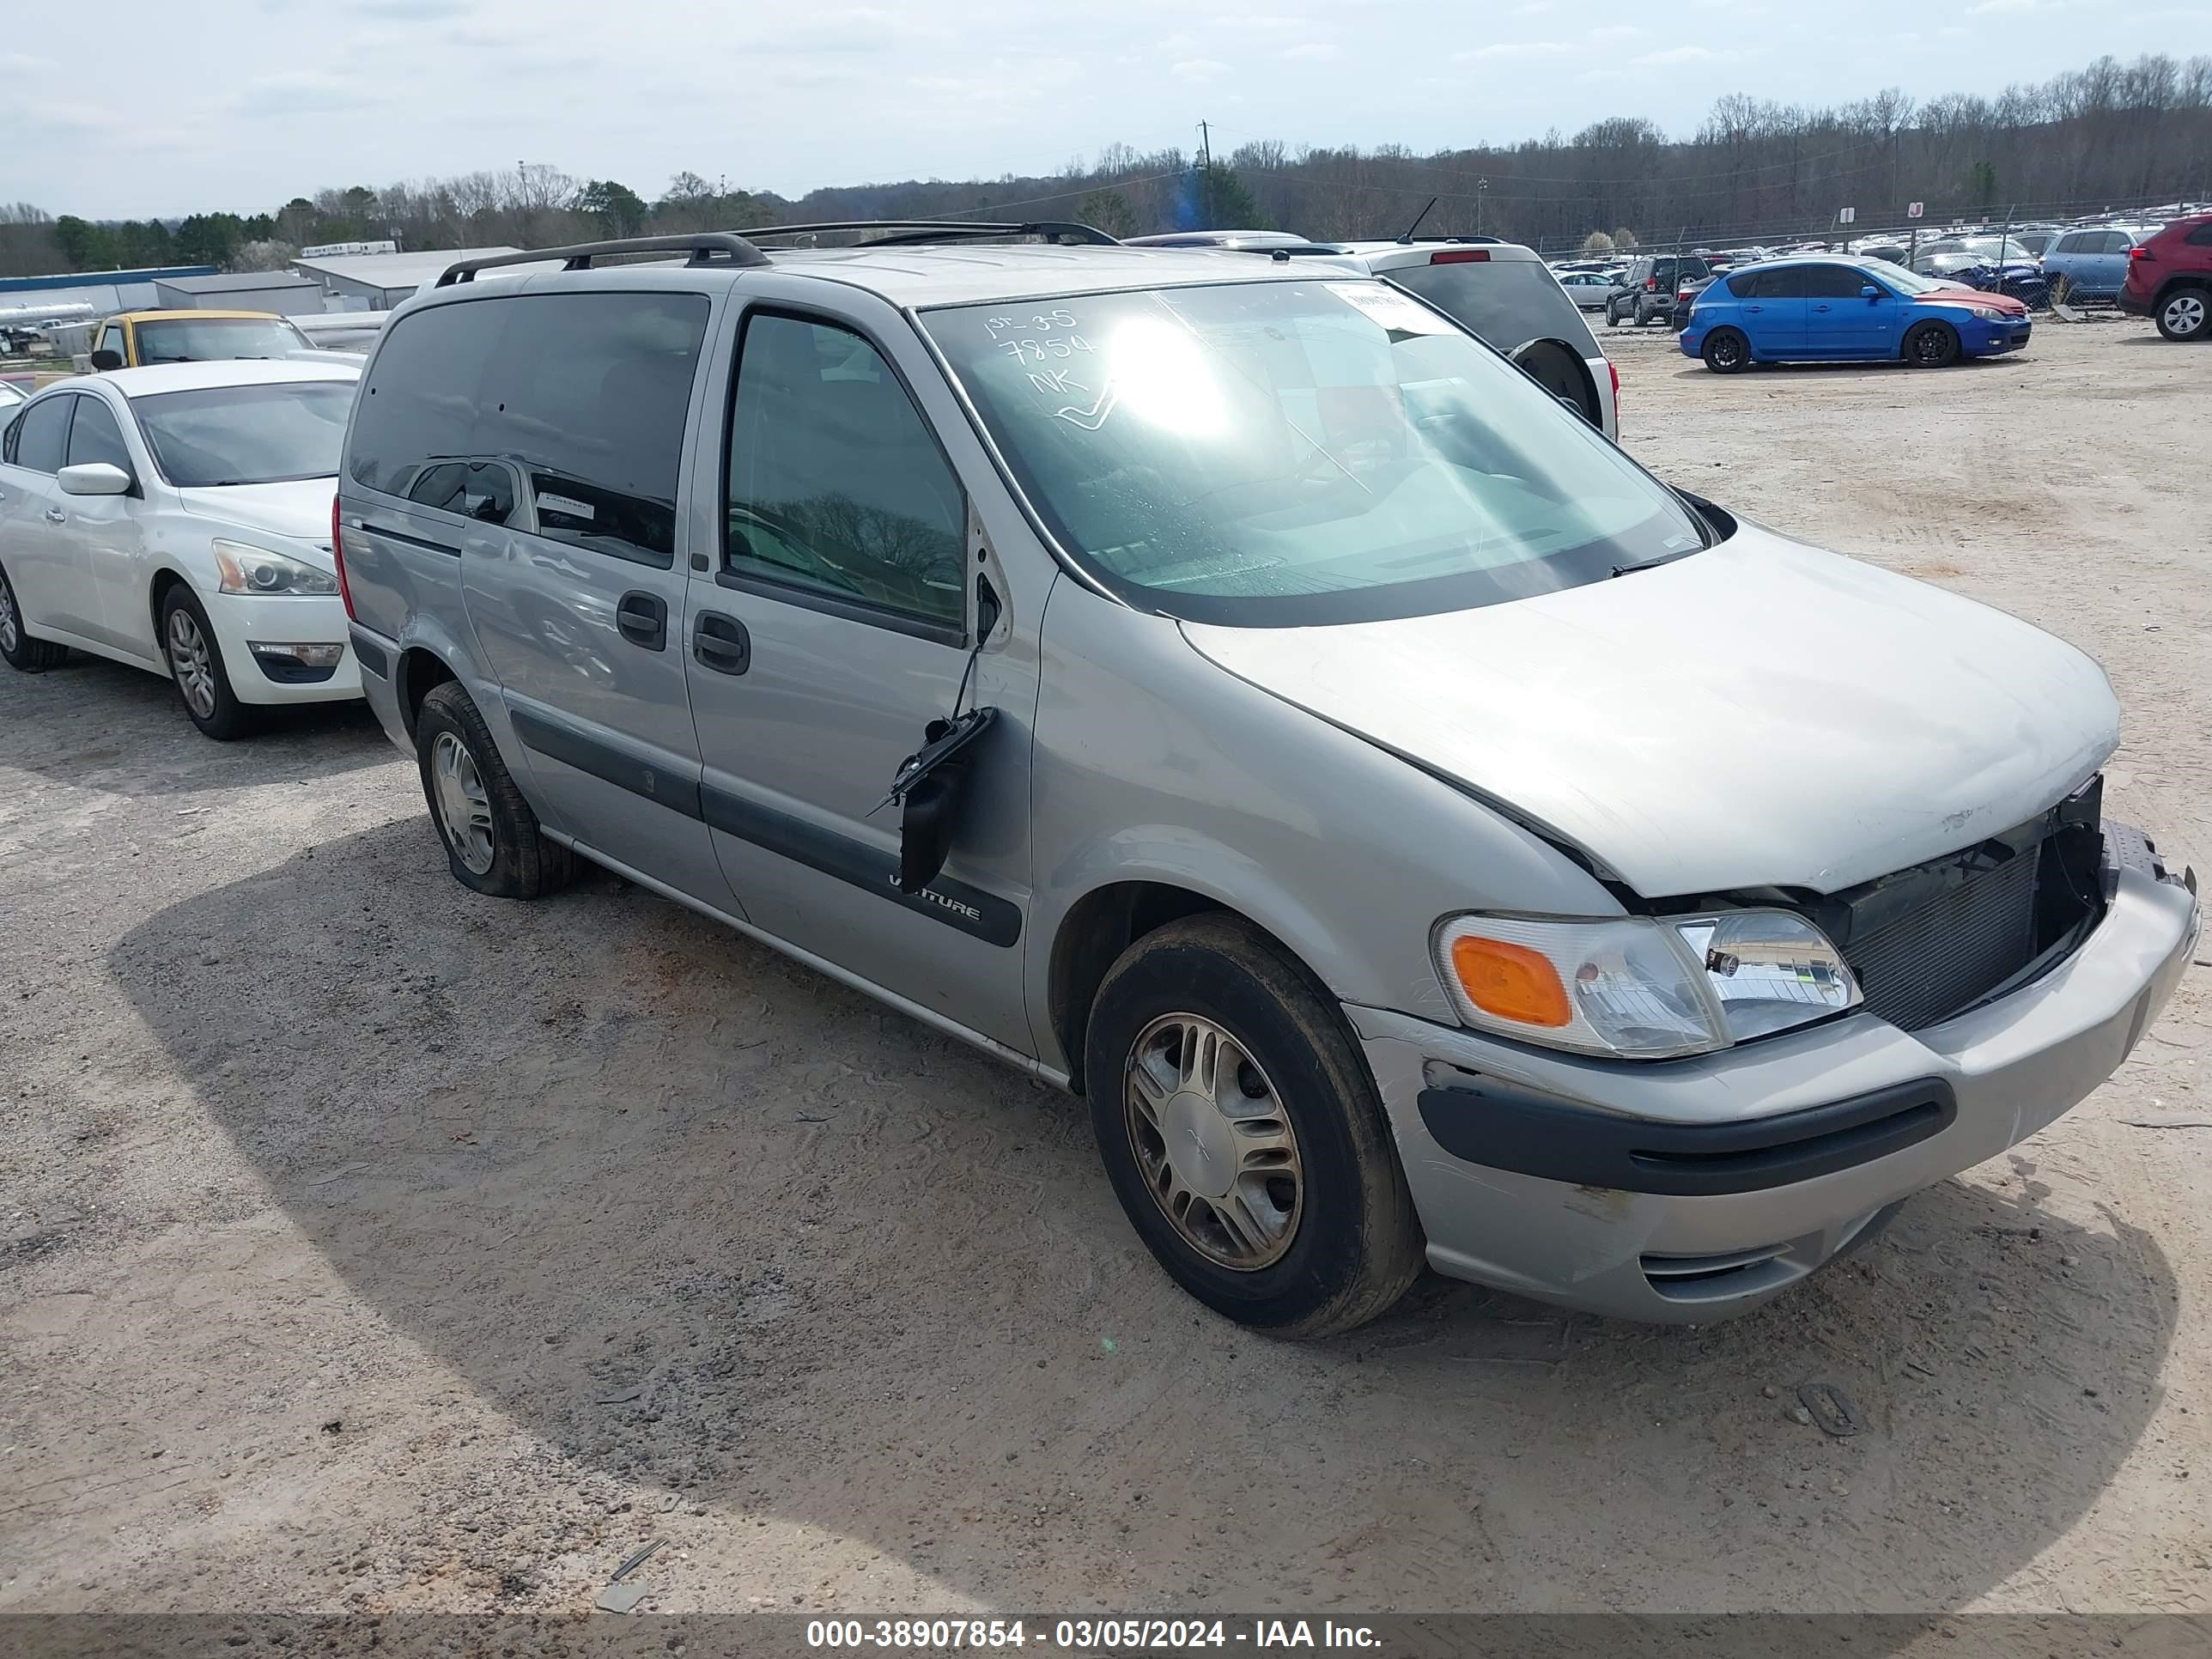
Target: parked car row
{"points": [[1222, 686]]}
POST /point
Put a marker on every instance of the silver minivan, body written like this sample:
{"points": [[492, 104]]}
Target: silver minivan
{"points": [[1228, 689]]}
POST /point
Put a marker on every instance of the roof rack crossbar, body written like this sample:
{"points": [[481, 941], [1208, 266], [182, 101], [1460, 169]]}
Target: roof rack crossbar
{"points": [[933, 230], [704, 247]]}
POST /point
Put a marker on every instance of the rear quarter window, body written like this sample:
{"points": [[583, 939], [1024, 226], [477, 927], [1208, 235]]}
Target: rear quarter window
{"points": [[1509, 302], [583, 395]]}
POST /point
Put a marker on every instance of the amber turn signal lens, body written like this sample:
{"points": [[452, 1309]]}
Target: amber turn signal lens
{"points": [[1511, 980]]}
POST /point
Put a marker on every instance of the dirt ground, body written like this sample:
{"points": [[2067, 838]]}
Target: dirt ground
{"points": [[375, 1246]]}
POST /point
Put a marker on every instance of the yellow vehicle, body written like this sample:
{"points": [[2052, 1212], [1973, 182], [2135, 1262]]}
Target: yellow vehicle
{"points": [[131, 338]]}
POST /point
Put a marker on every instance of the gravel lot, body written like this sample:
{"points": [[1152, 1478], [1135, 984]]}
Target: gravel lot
{"points": [[375, 1246]]}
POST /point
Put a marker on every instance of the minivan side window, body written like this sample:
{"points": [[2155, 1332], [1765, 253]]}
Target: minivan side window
{"points": [[40, 432], [587, 394], [582, 397], [836, 485]]}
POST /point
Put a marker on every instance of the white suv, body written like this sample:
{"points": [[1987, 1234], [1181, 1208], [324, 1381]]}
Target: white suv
{"points": [[1501, 292]]}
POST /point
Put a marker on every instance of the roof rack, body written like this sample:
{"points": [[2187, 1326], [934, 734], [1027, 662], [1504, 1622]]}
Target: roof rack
{"points": [[917, 231], [703, 246]]}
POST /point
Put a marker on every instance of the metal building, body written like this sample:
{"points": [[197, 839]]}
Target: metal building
{"points": [[378, 282], [284, 291]]}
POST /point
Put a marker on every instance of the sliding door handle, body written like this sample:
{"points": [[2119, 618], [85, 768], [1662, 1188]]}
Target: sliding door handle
{"points": [[643, 619], [722, 643]]}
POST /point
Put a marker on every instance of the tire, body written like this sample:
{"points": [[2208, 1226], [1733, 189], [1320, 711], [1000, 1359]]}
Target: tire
{"points": [[2186, 313], [24, 653], [499, 848], [1324, 1240], [1932, 345], [1726, 351], [1612, 318], [195, 668]]}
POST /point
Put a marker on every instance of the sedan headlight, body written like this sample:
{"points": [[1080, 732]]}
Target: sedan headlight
{"points": [[1988, 313], [248, 570], [1641, 987]]}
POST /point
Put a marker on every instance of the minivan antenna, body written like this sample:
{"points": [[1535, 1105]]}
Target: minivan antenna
{"points": [[1418, 217]]}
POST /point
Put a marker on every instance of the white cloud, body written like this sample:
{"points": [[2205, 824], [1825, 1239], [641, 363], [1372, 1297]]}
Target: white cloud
{"points": [[1311, 52], [1677, 57], [1199, 72], [1512, 49], [1614, 32]]}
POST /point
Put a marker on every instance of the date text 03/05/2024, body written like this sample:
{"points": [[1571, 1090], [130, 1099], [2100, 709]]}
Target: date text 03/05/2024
{"points": [[1088, 1635]]}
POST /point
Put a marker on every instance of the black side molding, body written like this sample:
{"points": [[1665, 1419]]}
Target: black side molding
{"points": [[607, 763], [987, 917], [1503, 1127], [370, 654]]}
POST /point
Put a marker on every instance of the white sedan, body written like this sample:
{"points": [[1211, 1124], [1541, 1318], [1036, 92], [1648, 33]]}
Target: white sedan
{"points": [[1586, 288], [178, 518]]}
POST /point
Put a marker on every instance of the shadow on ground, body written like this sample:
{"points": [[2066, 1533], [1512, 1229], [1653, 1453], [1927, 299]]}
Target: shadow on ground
{"points": [[698, 1217], [93, 724]]}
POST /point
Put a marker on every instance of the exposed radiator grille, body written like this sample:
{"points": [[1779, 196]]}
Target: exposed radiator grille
{"points": [[1926, 964]]}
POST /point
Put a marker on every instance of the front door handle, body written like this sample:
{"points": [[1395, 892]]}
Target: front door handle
{"points": [[722, 643], [1820, 308], [1754, 307], [643, 619], [55, 515]]}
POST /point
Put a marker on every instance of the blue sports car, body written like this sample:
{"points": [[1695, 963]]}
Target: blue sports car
{"points": [[1832, 308]]}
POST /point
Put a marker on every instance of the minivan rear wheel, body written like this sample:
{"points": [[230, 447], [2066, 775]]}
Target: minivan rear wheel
{"points": [[492, 839], [1243, 1135]]}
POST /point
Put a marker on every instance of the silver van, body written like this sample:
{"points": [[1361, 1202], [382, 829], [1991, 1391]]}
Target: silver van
{"points": [[1228, 689]]}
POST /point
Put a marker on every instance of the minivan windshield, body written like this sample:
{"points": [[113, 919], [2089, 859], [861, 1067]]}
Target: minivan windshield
{"points": [[1272, 454]]}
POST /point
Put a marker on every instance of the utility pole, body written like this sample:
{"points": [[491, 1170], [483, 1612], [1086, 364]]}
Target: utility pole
{"points": [[1205, 174], [1481, 199]]}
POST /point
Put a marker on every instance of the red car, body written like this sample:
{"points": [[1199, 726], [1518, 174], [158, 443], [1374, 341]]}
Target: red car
{"points": [[2170, 278]]}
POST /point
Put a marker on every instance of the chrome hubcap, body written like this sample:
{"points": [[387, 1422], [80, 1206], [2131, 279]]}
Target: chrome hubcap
{"points": [[2185, 315], [7, 618], [463, 808], [1213, 1143], [191, 663]]}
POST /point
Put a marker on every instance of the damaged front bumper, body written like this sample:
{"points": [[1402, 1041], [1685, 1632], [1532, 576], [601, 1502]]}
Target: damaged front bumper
{"points": [[1695, 1189]]}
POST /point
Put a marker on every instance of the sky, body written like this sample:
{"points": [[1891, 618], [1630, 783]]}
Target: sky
{"points": [[240, 105]]}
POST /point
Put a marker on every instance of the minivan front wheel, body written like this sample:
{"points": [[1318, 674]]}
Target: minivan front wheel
{"points": [[492, 839], [1243, 1135]]}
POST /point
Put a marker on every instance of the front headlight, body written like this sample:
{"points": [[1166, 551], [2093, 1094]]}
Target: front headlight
{"points": [[1988, 313], [1641, 987], [246, 568]]}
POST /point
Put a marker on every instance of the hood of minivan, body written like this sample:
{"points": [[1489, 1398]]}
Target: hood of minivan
{"points": [[300, 511], [1760, 714]]}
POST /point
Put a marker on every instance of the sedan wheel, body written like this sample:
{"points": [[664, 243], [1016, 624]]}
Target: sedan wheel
{"points": [[464, 805], [20, 650], [2187, 315], [196, 665], [191, 660], [1216, 1149]]}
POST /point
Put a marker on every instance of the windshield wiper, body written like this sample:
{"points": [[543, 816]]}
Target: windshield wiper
{"points": [[1646, 564]]}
